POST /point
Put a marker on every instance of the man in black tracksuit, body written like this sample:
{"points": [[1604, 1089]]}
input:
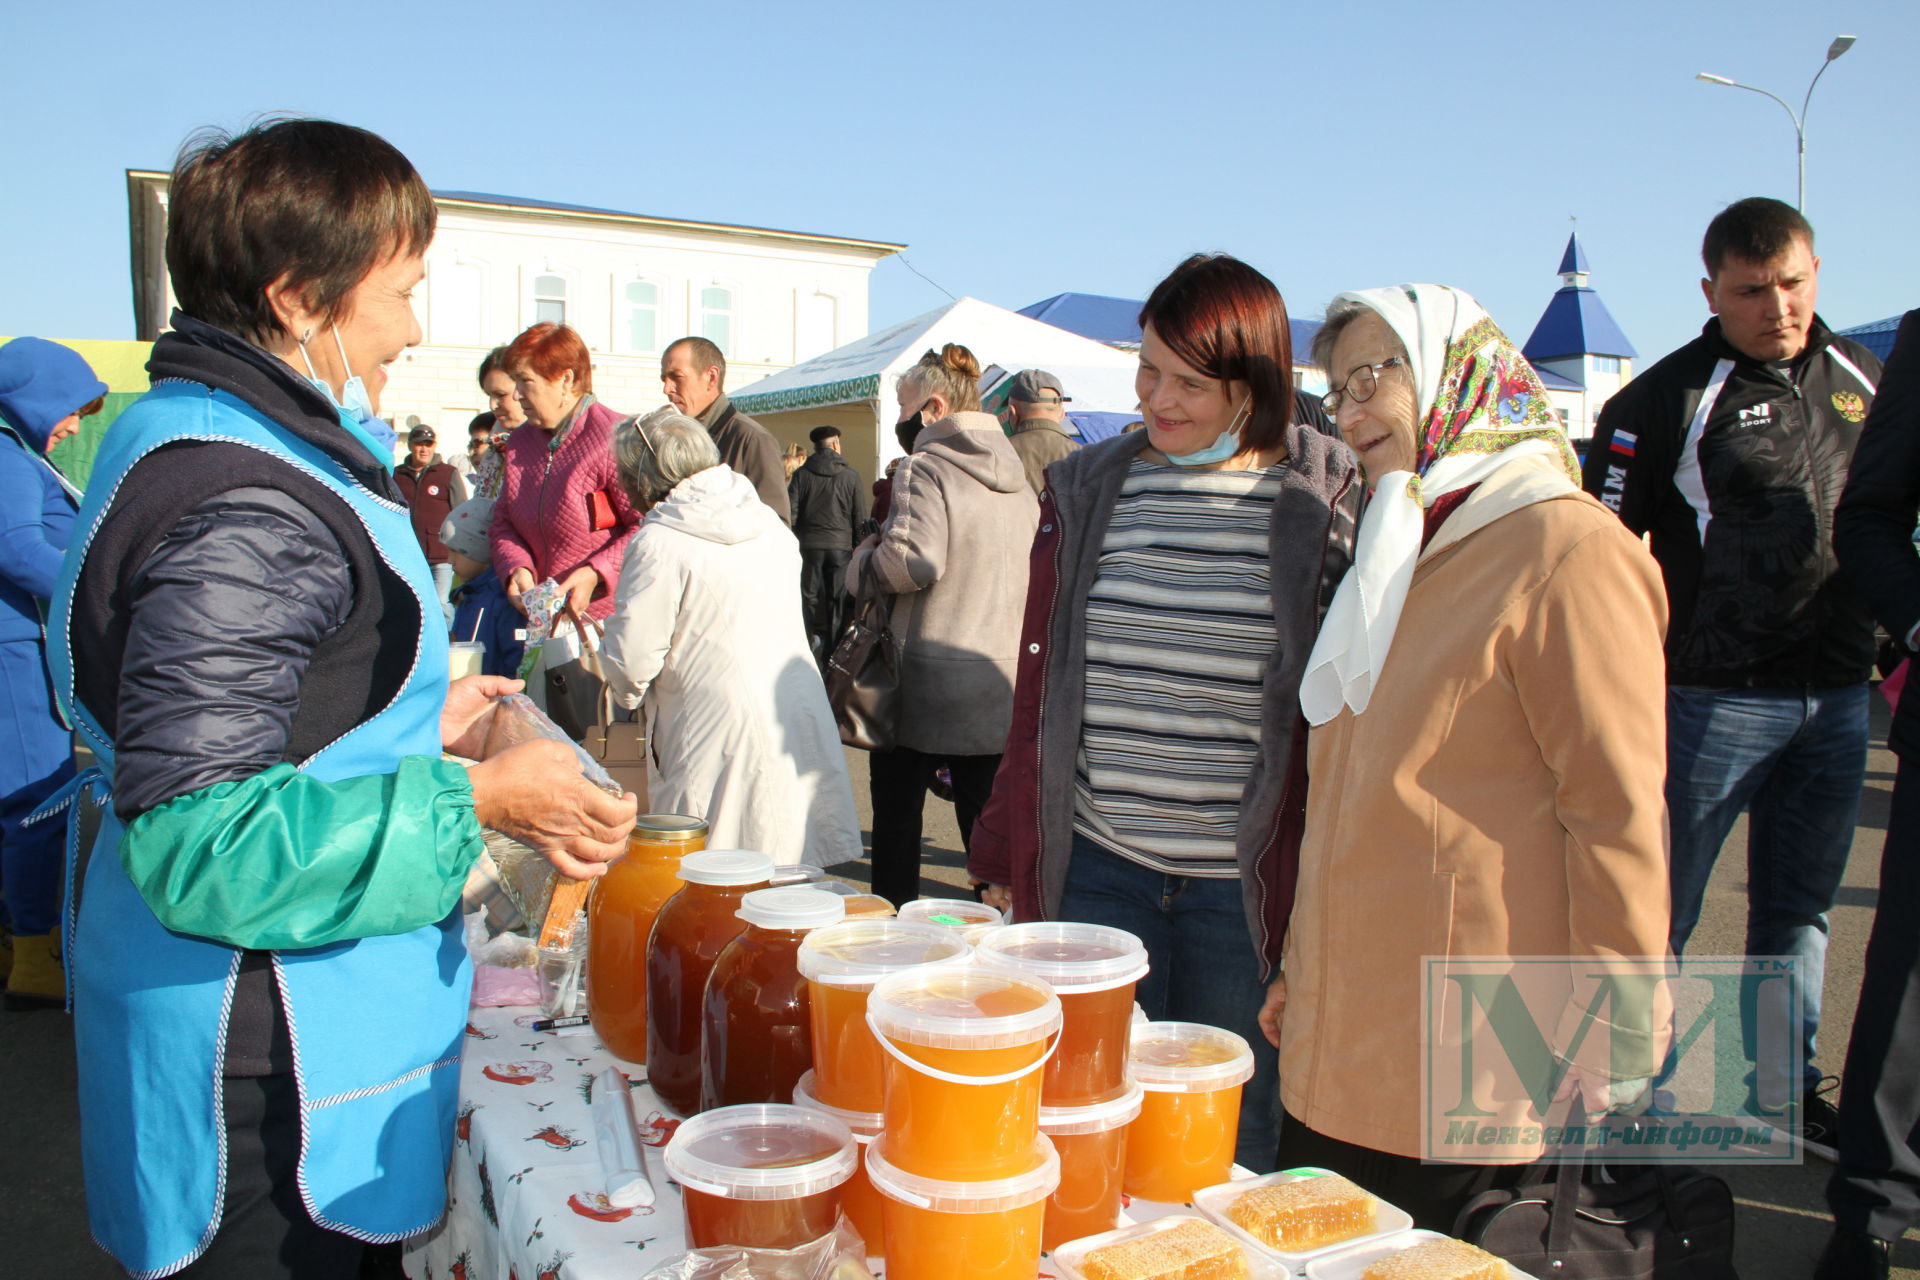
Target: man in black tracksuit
{"points": [[825, 496], [1732, 452]]}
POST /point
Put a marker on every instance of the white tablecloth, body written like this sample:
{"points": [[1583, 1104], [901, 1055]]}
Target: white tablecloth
{"points": [[527, 1198]]}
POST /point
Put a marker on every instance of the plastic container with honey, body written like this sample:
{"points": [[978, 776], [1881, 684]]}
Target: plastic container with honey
{"points": [[1190, 1117], [1093, 969], [961, 1076], [688, 935], [756, 1038], [620, 915], [1092, 1142], [972, 919], [841, 965], [974, 1230], [762, 1177], [858, 1199]]}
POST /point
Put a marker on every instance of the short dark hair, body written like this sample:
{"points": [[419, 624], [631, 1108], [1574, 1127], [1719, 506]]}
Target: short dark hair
{"points": [[1228, 321], [482, 422], [820, 435], [1757, 229], [705, 355], [496, 362], [319, 202]]}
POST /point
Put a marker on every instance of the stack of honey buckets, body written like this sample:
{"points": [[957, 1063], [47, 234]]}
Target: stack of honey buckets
{"points": [[972, 1097]]}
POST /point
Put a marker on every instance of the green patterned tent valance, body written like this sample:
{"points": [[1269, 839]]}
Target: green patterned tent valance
{"points": [[865, 388]]}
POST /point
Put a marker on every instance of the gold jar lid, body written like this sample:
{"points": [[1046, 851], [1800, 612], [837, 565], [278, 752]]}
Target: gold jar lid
{"points": [[668, 828]]}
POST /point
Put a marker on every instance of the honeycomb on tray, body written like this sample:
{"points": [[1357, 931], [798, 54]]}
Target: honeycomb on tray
{"points": [[1306, 1214], [1438, 1260], [1194, 1250]]}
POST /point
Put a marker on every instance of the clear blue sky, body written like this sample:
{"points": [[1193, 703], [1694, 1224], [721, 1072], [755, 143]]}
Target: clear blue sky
{"points": [[1023, 150]]}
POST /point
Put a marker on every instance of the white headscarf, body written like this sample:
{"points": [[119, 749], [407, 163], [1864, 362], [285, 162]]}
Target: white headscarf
{"points": [[1483, 406]]}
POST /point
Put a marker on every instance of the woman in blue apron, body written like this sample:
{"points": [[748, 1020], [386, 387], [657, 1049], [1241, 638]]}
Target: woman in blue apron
{"points": [[268, 978]]}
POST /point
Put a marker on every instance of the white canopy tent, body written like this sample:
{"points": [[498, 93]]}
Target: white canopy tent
{"points": [[851, 387]]}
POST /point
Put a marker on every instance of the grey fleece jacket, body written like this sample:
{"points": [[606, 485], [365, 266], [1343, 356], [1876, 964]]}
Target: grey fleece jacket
{"points": [[954, 552]]}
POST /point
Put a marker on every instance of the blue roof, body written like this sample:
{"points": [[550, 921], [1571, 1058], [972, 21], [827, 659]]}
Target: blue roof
{"points": [[1876, 337], [1576, 323], [1117, 320], [1573, 259], [1556, 382]]}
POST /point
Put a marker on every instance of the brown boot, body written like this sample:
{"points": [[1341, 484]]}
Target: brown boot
{"points": [[37, 980]]}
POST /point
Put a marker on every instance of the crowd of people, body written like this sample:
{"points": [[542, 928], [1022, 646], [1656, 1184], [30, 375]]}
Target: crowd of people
{"points": [[1299, 691]]}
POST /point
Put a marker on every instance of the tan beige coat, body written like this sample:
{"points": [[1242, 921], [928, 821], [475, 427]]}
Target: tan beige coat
{"points": [[1500, 796]]}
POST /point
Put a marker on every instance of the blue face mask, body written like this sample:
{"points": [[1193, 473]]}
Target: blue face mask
{"points": [[355, 405], [1224, 446]]}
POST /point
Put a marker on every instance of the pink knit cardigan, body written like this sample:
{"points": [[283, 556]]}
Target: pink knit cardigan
{"points": [[540, 521]]}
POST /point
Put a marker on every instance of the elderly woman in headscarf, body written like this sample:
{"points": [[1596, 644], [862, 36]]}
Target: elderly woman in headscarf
{"points": [[1487, 698], [706, 633]]}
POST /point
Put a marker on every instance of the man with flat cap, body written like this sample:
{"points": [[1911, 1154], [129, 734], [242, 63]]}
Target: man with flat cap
{"points": [[1040, 436]]}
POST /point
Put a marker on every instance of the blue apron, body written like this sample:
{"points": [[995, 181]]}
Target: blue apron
{"points": [[376, 1023]]}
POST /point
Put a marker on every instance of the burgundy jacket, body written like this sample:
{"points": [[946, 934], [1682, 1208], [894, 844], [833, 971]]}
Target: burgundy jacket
{"points": [[431, 493], [1024, 837]]}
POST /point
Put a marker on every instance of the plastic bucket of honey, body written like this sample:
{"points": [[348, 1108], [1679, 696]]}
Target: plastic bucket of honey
{"points": [[1190, 1117], [973, 920], [970, 1230], [1093, 969], [961, 1077], [841, 964], [1092, 1142], [763, 1176], [857, 1196]]}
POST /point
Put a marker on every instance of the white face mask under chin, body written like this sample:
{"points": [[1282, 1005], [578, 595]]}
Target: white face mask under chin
{"points": [[1224, 446]]}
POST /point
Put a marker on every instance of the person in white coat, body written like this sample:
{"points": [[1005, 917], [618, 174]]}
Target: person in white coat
{"points": [[706, 633]]}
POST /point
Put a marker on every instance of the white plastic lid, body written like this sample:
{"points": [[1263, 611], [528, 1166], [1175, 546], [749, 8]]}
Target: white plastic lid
{"points": [[726, 866], [761, 1151], [791, 908], [950, 1007], [858, 953], [866, 1125], [1096, 1117], [998, 1196], [952, 913], [1187, 1057], [1072, 958]]}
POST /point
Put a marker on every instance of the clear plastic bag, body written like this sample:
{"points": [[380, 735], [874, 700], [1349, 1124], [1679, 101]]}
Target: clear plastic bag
{"points": [[513, 719], [840, 1255]]}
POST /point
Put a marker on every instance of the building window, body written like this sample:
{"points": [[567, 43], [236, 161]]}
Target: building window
{"points": [[716, 316], [1606, 364], [549, 299], [640, 306]]}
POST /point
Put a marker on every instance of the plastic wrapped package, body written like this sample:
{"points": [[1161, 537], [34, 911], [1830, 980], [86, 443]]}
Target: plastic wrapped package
{"points": [[839, 1255]]}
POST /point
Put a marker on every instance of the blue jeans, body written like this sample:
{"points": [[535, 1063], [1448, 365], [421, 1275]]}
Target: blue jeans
{"points": [[1203, 967], [443, 587], [1796, 760]]}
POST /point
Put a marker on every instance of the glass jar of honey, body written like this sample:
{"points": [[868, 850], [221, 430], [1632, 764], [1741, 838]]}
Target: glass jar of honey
{"points": [[620, 915], [757, 1039], [688, 935]]}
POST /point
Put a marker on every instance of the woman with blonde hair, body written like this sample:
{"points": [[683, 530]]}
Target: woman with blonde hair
{"points": [[953, 551]]}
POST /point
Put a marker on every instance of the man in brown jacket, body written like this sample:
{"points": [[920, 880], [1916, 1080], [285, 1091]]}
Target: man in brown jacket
{"points": [[693, 372], [1039, 406]]}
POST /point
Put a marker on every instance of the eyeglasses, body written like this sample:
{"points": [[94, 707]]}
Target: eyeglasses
{"points": [[1360, 384]]}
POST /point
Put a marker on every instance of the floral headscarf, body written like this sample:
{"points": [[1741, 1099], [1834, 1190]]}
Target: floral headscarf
{"points": [[1483, 407]]}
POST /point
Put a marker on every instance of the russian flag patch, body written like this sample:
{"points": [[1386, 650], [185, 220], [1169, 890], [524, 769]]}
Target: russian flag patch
{"points": [[1624, 442]]}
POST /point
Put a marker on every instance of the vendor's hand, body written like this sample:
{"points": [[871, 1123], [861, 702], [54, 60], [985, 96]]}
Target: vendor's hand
{"points": [[519, 582], [1273, 1010], [536, 794], [997, 896], [580, 586], [1600, 1094], [469, 699]]}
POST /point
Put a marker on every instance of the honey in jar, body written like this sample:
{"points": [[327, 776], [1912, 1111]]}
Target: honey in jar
{"points": [[1093, 969], [939, 1230], [620, 915], [760, 1177], [758, 1039], [1190, 1116], [1092, 1142], [688, 936]]}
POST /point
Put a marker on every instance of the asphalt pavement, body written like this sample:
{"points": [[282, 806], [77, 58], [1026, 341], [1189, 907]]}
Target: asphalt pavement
{"points": [[1782, 1220]]}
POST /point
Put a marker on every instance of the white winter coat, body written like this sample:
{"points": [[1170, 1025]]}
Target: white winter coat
{"points": [[706, 628]]}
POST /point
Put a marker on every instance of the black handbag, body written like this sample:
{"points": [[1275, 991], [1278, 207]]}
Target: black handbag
{"points": [[1595, 1222], [863, 674]]}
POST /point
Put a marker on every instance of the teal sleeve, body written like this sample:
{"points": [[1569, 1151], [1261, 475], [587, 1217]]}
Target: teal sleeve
{"points": [[282, 860]]}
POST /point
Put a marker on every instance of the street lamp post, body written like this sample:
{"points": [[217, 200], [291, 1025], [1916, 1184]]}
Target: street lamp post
{"points": [[1839, 46]]}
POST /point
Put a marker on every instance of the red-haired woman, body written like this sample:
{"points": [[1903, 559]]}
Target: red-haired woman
{"points": [[562, 513], [1154, 776]]}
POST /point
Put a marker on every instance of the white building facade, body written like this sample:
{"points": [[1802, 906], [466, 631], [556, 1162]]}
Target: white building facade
{"points": [[630, 284]]}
